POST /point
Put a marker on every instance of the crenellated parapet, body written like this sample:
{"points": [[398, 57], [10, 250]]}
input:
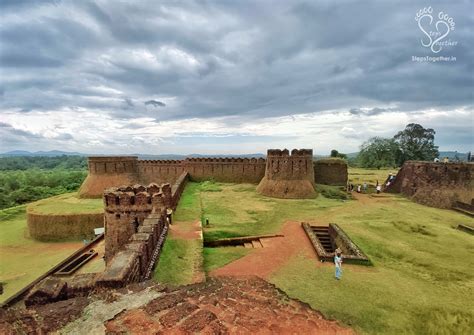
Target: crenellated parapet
{"points": [[288, 175], [281, 165], [113, 165], [127, 207], [220, 160]]}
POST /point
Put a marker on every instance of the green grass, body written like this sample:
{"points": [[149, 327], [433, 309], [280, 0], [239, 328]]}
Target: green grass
{"points": [[215, 258], [68, 203], [189, 207], [238, 210], [177, 262], [370, 176], [422, 281], [333, 192], [23, 259]]}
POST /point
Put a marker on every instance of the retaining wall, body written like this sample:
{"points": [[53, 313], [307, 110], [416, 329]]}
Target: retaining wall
{"points": [[48, 227]]}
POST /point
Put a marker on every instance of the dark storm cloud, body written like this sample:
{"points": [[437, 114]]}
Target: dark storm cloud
{"points": [[242, 59], [371, 111], [155, 103]]}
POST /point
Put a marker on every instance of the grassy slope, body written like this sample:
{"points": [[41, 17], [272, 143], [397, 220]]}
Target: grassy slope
{"points": [[423, 278], [68, 203], [422, 281], [238, 210], [179, 257], [215, 258], [370, 176], [19, 261], [177, 261], [234, 210]]}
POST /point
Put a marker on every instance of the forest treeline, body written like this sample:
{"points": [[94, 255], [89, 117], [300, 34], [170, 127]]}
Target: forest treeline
{"points": [[26, 179]]}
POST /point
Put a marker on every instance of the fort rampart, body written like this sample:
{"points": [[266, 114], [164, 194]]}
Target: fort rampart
{"points": [[435, 184], [288, 175], [106, 172], [126, 208], [330, 171]]}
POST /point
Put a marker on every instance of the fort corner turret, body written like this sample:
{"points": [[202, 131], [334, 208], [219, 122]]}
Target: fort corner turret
{"points": [[289, 176]]}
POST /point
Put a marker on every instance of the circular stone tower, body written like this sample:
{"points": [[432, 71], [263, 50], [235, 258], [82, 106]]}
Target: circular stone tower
{"points": [[288, 176], [106, 172]]}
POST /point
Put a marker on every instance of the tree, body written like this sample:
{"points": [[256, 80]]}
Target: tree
{"points": [[416, 143], [337, 154], [378, 152]]}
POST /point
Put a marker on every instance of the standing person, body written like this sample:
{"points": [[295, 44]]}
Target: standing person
{"points": [[338, 263], [358, 188], [378, 188], [364, 187]]}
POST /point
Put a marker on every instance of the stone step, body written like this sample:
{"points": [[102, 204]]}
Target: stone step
{"points": [[266, 242], [319, 229], [248, 245], [466, 212], [256, 244]]}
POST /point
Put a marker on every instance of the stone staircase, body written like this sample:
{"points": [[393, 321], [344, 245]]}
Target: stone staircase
{"points": [[322, 233], [465, 208]]}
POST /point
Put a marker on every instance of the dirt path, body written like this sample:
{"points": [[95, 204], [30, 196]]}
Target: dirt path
{"points": [[190, 230], [277, 251], [186, 230]]}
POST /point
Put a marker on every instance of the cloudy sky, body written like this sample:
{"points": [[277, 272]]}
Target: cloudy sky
{"points": [[231, 76]]}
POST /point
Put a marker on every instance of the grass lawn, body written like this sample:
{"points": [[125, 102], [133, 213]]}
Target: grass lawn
{"points": [[370, 176], [422, 280], [238, 210], [215, 258], [23, 259], [68, 203], [177, 261]]}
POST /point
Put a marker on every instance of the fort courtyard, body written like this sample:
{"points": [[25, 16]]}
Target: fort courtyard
{"points": [[237, 225]]}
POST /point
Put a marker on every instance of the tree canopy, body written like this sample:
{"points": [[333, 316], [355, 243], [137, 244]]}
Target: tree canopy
{"points": [[412, 143], [416, 143], [378, 152]]}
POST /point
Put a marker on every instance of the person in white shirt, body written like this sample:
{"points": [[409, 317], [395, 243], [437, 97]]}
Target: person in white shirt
{"points": [[338, 263]]}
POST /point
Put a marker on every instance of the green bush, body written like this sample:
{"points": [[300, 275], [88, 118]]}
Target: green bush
{"points": [[333, 192]]}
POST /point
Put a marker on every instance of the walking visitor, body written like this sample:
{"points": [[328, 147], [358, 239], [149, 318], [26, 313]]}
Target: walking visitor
{"points": [[338, 263]]}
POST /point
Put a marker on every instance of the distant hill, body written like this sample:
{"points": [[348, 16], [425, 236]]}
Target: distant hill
{"points": [[52, 153], [55, 153]]}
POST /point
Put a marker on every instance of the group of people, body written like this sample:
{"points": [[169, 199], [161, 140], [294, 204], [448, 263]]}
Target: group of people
{"points": [[362, 188], [359, 189]]}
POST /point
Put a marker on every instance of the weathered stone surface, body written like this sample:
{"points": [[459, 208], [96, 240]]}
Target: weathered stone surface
{"points": [[46, 291], [435, 184], [288, 176]]}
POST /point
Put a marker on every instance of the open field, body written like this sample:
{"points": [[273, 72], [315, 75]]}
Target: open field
{"points": [[370, 176], [23, 259], [68, 203], [422, 280]]}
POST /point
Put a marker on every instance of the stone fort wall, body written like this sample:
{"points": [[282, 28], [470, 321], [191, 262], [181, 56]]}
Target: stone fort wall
{"points": [[330, 171], [435, 184], [106, 172], [288, 175]]}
